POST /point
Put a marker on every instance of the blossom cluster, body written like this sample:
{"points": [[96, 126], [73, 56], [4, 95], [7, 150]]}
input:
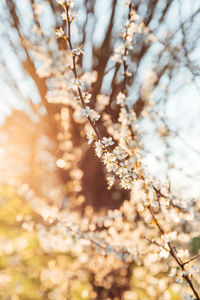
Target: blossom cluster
{"points": [[115, 236], [150, 225]]}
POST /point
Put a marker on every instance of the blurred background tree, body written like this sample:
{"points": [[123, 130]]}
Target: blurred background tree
{"points": [[43, 144], [165, 71]]}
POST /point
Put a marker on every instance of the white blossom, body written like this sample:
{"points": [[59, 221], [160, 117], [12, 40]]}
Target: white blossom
{"points": [[75, 84], [86, 97], [121, 99], [126, 183], [120, 153], [173, 272], [107, 141], [95, 116], [91, 136], [98, 149], [169, 237], [77, 51], [64, 16], [85, 112], [119, 53], [111, 181], [164, 253], [60, 33], [183, 254], [109, 160]]}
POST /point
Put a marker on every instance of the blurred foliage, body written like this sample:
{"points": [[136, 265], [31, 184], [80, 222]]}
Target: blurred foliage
{"points": [[195, 245], [22, 260], [24, 265]]}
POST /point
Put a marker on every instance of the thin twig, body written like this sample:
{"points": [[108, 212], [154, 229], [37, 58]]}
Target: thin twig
{"points": [[174, 255], [75, 71], [188, 261]]}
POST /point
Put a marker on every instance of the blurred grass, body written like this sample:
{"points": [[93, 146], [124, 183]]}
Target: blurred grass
{"points": [[21, 257]]}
